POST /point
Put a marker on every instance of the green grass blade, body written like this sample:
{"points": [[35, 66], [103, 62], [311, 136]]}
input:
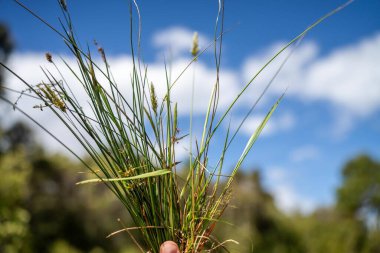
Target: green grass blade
{"points": [[142, 176]]}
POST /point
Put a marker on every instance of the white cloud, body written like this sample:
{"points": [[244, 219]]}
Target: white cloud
{"points": [[28, 66], [347, 78], [204, 81], [177, 40], [290, 74], [281, 123], [286, 197], [304, 153], [121, 66]]}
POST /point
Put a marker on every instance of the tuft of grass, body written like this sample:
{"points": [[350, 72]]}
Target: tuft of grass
{"points": [[132, 141]]}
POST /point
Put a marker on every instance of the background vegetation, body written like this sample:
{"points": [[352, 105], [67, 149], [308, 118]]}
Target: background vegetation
{"points": [[41, 209]]}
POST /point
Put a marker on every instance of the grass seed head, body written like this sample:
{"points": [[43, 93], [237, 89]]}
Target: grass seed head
{"points": [[195, 47], [101, 51], [153, 98], [52, 96], [63, 4], [49, 57], [102, 54]]}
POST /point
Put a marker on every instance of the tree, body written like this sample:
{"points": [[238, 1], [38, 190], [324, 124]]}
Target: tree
{"points": [[6, 47], [325, 230], [359, 194]]}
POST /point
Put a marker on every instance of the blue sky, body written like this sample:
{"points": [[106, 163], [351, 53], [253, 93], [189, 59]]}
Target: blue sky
{"points": [[332, 108]]}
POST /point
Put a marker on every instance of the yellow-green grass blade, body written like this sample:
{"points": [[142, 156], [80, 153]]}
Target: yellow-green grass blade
{"points": [[142, 176]]}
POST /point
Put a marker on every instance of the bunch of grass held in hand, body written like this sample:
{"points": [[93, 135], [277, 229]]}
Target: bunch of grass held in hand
{"points": [[132, 140]]}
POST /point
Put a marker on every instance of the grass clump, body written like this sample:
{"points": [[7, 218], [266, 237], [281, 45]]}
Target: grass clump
{"points": [[132, 139]]}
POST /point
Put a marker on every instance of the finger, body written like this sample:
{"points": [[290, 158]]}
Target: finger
{"points": [[169, 247]]}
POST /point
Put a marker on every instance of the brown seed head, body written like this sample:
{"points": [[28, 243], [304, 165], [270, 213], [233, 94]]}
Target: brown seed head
{"points": [[102, 54], [63, 4], [49, 57], [101, 51]]}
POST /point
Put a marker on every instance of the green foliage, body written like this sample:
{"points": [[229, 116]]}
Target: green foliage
{"points": [[41, 209], [14, 218], [17, 136], [353, 224], [62, 247], [360, 191], [372, 243], [326, 231], [14, 171]]}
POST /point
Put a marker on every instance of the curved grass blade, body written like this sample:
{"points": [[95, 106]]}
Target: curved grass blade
{"points": [[145, 175]]}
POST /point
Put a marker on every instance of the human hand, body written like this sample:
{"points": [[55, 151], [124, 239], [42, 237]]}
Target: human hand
{"points": [[169, 247]]}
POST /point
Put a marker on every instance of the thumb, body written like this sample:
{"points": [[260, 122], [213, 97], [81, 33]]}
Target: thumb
{"points": [[169, 247]]}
